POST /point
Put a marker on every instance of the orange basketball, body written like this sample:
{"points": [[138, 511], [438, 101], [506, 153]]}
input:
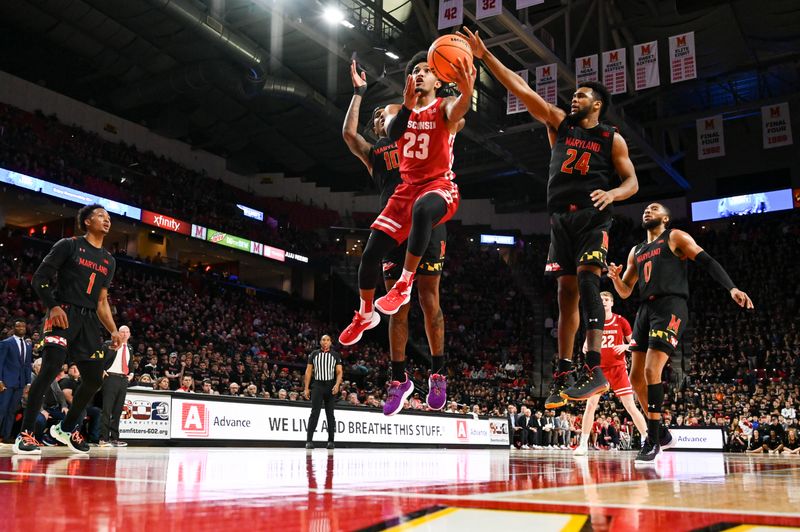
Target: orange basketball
{"points": [[444, 53]]}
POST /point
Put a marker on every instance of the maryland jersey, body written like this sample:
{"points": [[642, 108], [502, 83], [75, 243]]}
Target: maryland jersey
{"points": [[83, 271], [385, 161], [579, 164], [615, 331], [661, 272], [426, 147]]}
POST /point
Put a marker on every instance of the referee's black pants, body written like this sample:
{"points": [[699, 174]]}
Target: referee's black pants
{"points": [[321, 392], [115, 387]]}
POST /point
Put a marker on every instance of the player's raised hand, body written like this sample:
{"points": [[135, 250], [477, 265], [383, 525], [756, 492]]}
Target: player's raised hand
{"points": [[742, 299], [359, 81], [465, 76], [410, 94], [475, 42], [614, 271]]}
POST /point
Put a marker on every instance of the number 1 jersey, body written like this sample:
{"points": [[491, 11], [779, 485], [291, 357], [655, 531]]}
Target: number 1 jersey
{"points": [[83, 270], [426, 147]]}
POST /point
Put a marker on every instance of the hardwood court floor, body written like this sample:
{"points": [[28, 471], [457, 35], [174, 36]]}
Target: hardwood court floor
{"points": [[179, 488]]}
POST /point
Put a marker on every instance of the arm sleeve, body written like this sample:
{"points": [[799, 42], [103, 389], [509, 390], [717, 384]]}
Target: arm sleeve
{"points": [[58, 255], [398, 126], [715, 269]]}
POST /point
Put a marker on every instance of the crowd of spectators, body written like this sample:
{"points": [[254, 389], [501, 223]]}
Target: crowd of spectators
{"points": [[43, 147]]}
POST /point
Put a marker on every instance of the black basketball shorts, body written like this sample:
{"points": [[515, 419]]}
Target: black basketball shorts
{"points": [[432, 262], [660, 324], [577, 238], [82, 340]]}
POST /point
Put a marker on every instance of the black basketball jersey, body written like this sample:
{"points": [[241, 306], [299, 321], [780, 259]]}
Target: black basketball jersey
{"points": [[83, 270], [385, 160], [661, 272], [579, 164]]}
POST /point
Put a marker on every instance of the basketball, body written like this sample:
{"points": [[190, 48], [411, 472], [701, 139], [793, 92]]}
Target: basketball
{"points": [[444, 54]]}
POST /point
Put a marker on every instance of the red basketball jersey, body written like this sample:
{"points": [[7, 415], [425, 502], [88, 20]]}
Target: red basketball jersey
{"points": [[615, 331], [426, 147]]}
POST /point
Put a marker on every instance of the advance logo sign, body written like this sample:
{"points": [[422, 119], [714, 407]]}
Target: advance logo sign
{"points": [[461, 430], [194, 420]]}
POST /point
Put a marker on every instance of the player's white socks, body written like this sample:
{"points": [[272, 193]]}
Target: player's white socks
{"points": [[407, 276], [366, 309], [584, 440]]}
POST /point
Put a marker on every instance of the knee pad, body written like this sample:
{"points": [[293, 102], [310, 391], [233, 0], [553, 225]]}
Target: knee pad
{"points": [[592, 305], [655, 398]]}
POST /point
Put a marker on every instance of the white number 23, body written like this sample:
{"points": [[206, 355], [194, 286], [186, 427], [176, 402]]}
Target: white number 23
{"points": [[421, 151]]}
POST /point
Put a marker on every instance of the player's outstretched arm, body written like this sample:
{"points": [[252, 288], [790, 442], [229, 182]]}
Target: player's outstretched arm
{"points": [[685, 246], [357, 143], [624, 283], [544, 112]]}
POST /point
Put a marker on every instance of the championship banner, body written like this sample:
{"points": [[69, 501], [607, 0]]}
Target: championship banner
{"points": [[145, 417], [522, 4], [547, 83], [198, 419], [776, 125], [682, 59], [645, 65], [513, 104], [710, 138], [614, 71], [488, 8], [587, 69], [451, 13]]}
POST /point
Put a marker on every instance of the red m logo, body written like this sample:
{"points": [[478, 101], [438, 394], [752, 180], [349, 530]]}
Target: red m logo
{"points": [[613, 56], [546, 72], [710, 124], [645, 49], [774, 112], [587, 62], [681, 40], [674, 324]]}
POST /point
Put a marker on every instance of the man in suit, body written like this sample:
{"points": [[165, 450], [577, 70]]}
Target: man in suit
{"points": [[16, 358], [516, 432], [118, 374], [536, 428]]}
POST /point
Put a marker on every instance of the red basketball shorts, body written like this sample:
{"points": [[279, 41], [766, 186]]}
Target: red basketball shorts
{"points": [[395, 220], [617, 376]]}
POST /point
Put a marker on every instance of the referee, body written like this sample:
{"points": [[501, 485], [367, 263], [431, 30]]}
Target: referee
{"points": [[326, 368]]}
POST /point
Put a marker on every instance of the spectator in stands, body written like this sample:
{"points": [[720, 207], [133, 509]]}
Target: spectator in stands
{"points": [[187, 385], [162, 384]]}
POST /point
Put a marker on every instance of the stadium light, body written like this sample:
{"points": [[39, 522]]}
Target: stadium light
{"points": [[332, 15], [392, 55]]}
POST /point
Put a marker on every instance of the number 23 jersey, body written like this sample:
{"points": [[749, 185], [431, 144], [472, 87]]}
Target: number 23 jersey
{"points": [[426, 147]]}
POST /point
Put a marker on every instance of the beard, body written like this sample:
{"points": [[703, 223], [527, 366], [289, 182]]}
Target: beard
{"points": [[652, 224], [577, 116]]}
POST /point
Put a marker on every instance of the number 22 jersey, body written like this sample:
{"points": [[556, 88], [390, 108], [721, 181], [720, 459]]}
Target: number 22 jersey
{"points": [[426, 147]]}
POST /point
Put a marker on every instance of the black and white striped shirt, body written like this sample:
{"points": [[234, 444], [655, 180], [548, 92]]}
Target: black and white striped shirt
{"points": [[324, 363]]}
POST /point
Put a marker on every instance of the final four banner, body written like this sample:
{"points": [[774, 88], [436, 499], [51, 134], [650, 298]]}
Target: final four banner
{"points": [[547, 83], [645, 64], [488, 8], [614, 71], [710, 138], [776, 125], [451, 13], [682, 60], [513, 104], [587, 69]]}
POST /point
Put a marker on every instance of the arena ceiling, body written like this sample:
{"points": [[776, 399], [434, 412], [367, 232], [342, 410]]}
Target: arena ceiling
{"points": [[265, 83]]}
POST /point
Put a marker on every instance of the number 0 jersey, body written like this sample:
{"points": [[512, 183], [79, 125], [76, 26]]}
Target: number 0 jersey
{"points": [[661, 272], [426, 147]]}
